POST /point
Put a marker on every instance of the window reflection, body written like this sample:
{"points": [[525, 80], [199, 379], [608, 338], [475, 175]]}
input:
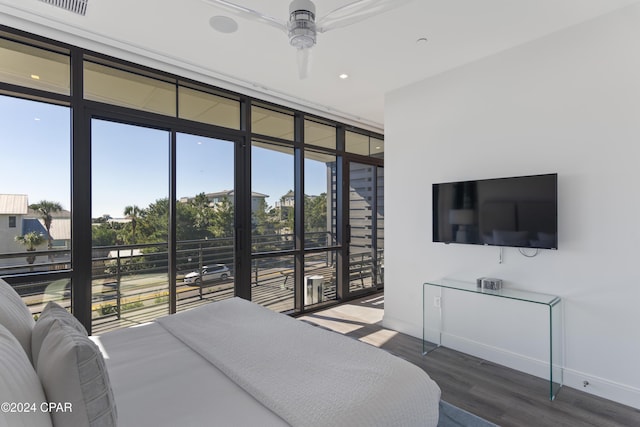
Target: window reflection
{"points": [[35, 68], [265, 121], [205, 107], [118, 87], [320, 135]]}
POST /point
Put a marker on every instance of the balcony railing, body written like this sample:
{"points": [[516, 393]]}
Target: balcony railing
{"points": [[130, 283]]}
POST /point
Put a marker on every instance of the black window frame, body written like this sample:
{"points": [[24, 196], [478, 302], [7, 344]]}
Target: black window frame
{"points": [[83, 111]]}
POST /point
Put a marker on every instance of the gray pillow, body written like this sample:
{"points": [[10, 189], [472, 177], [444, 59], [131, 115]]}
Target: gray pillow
{"points": [[51, 312], [15, 316], [72, 369], [19, 384]]}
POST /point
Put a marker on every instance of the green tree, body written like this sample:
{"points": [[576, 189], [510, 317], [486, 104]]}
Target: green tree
{"points": [[46, 208], [31, 240], [133, 213], [263, 219], [102, 219], [222, 219], [202, 210], [315, 213], [153, 223], [105, 234], [192, 222]]}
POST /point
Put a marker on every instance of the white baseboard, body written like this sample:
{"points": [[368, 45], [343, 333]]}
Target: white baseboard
{"points": [[519, 362], [602, 387], [618, 392], [401, 326], [607, 389]]}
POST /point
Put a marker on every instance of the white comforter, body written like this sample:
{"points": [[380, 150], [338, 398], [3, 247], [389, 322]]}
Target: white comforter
{"points": [[306, 375], [157, 381]]}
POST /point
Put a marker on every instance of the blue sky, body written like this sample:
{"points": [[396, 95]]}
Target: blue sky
{"points": [[35, 158], [129, 163]]}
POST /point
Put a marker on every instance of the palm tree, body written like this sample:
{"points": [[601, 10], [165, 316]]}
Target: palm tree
{"points": [[46, 208], [31, 240], [133, 213]]}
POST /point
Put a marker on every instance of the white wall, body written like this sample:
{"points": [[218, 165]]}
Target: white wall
{"points": [[567, 103]]}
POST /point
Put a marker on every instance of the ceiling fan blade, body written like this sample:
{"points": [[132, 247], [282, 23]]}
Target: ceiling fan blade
{"points": [[304, 61], [356, 11], [247, 13]]}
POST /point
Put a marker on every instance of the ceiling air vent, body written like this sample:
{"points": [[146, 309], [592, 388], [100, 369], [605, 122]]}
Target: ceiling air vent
{"points": [[75, 6]]}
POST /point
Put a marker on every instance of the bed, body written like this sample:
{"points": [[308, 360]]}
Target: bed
{"points": [[229, 363]]}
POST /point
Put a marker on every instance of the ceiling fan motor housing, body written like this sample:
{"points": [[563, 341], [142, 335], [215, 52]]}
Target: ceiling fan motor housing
{"points": [[302, 24]]}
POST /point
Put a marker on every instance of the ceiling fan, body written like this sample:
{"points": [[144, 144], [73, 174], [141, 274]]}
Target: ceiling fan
{"points": [[302, 26]]}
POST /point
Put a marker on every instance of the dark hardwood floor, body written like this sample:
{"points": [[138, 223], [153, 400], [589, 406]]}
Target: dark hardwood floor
{"points": [[496, 393]]}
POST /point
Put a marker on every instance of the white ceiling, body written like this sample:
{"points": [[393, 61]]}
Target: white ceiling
{"points": [[379, 54]]}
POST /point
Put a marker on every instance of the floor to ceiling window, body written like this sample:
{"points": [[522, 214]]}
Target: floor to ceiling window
{"points": [[130, 206], [379, 247], [273, 219], [366, 214], [205, 226], [320, 227], [35, 175], [35, 198], [182, 193]]}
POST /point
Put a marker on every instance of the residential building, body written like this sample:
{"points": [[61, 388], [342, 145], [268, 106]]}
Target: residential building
{"points": [[16, 219], [288, 200], [13, 208], [257, 199]]}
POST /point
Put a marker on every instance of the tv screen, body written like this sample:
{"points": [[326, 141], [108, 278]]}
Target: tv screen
{"points": [[518, 211]]}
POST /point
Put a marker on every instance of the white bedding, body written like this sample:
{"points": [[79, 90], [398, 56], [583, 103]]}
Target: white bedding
{"points": [[269, 369], [157, 381]]}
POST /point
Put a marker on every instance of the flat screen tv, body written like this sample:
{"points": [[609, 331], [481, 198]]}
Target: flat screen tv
{"points": [[518, 211]]}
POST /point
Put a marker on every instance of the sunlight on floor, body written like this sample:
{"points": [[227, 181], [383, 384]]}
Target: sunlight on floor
{"points": [[332, 323], [353, 316], [379, 338]]}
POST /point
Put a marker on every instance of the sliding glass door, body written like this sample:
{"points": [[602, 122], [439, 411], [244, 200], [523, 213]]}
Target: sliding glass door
{"points": [[205, 208], [272, 225], [130, 205], [366, 227]]}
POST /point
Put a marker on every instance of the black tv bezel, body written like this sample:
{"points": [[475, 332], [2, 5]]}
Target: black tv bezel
{"points": [[434, 213]]}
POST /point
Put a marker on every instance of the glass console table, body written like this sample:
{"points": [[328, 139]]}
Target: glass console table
{"points": [[552, 302]]}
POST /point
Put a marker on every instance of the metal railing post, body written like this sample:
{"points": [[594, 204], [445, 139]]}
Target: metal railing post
{"points": [[118, 278]]}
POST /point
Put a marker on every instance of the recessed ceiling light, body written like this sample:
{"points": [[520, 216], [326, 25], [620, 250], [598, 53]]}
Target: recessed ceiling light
{"points": [[344, 76], [223, 24], [35, 77]]}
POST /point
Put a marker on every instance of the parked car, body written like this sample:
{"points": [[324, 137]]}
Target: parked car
{"points": [[105, 292], [209, 272]]}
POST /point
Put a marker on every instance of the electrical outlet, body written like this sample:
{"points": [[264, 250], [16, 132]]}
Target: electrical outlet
{"points": [[436, 302]]}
